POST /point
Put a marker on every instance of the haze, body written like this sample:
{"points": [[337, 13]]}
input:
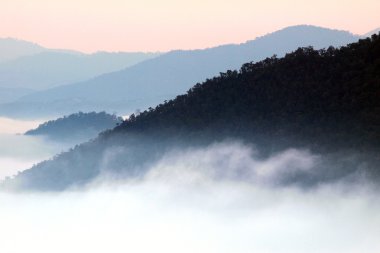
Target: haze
{"points": [[19, 152], [211, 171], [151, 25]]}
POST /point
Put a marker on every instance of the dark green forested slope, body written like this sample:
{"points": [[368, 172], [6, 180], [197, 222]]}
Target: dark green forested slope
{"points": [[333, 93], [326, 100]]}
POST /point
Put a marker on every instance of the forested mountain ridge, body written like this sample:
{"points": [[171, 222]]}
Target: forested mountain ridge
{"points": [[326, 100], [152, 81], [336, 90], [78, 126]]}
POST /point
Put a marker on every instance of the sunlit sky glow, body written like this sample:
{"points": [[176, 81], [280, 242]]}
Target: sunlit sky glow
{"points": [[162, 25]]}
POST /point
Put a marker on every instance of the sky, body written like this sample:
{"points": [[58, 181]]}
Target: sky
{"points": [[152, 25]]}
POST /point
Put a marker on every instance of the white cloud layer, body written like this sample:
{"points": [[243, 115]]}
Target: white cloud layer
{"points": [[13, 126], [19, 152], [195, 201]]}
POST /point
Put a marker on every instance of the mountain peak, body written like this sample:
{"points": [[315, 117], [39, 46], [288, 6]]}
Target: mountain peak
{"points": [[309, 30]]}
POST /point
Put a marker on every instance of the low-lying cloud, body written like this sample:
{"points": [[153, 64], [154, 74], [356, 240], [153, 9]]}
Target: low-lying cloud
{"points": [[14, 126], [231, 161], [222, 198], [19, 152]]}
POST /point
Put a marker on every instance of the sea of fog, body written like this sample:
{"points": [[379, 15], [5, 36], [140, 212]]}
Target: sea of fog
{"points": [[184, 204], [19, 152]]}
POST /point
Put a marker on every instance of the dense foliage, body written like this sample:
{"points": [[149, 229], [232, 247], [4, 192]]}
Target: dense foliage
{"points": [[329, 96]]}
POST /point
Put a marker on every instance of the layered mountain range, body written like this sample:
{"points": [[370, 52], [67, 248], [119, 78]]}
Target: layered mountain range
{"points": [[27, 67], [326, 101], [152, 81]]}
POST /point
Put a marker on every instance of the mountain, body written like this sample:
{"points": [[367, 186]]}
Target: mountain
{"points": [[78, 127], [50, 69], [326, 101], [11, 49], [8, 95], [26, 66], [161, 78]]}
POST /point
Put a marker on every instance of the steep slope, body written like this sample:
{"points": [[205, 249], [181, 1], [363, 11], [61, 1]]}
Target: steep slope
{"points": [[327, 101], [153, 81]]}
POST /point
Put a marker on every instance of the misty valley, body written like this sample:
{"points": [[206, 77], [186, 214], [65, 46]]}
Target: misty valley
{"points": [[267, 146]]}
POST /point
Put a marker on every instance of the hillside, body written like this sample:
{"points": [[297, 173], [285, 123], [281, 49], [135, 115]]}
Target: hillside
{"points": [[150, 82], [327, 101], [76, 127]]}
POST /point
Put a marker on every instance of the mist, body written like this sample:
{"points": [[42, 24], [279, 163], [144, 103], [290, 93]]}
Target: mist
{"points": [[19, 152], [221, 198], [14, 126]]}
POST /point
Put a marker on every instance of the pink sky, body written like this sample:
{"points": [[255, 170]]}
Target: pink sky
{"points": [[152, 25]]}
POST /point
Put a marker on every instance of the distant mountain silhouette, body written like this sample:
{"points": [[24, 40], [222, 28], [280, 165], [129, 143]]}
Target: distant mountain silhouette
{"points": [[327, 101], [11, 49], [78, 127], [161, 78], [10, 94], [49, 69]]}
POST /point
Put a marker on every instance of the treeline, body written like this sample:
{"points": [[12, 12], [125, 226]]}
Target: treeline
{"points": [[330, 96]]}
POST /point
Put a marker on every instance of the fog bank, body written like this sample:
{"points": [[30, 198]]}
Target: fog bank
{"points": [[216, 199], [153, 217], [19, 152], [13, 126]]}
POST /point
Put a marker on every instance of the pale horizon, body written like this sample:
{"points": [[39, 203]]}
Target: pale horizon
{"points": [[157, 51], [160, 26]]}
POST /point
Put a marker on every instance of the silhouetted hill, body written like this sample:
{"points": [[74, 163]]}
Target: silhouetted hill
{"points": [[77, 127], [327, 101], [150, 82]]}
